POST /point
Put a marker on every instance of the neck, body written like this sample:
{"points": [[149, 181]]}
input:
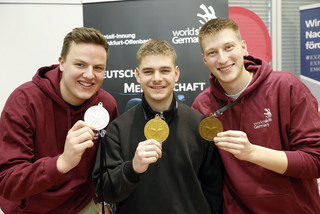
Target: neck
{"points": [[160, 105], [239, 85]]}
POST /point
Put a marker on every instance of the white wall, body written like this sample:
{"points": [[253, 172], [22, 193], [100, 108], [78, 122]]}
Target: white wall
{"points": [[31, 36]]}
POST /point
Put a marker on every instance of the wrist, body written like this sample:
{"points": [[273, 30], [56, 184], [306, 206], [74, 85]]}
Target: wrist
{"points": [[62, 165]]}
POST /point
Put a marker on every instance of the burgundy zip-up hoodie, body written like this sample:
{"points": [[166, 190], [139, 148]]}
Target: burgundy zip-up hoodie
{"points": [[279, 112], [33, 128]]}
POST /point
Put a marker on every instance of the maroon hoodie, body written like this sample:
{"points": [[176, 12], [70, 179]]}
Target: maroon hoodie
{"points": [[276, 111], [33, 128]]}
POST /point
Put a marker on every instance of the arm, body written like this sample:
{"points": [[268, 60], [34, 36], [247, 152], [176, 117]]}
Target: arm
{"points": [[23, 175], [237, 143], [27, 135], [298, 144], [79, 139], [303, 132], [147, 152], [124, 171]]}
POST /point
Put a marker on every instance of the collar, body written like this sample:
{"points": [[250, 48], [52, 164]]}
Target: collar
{"points": [[167, 115]]}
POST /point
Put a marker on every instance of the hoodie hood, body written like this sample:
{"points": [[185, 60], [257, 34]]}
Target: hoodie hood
{"points": [[48, 80], [252, 64]]}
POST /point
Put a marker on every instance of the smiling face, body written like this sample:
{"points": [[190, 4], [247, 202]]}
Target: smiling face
{"points": [[82, 72], [223, 54], [157, 75]]}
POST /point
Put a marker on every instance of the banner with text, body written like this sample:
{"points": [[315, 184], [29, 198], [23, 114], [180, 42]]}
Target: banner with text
{"points": [[128, 24], [310, 47]]}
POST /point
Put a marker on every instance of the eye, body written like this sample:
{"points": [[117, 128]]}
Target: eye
{"points": [[79, 65], [99, 68], [211, 53], [229, 47], [165, 71], [147, 72]]}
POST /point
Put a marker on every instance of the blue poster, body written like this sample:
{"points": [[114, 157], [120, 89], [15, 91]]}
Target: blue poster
{"points": [[310, 41]]}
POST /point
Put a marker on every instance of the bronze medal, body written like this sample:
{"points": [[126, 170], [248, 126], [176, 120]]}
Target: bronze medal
{"points": [[156, 129], [210, 127]]}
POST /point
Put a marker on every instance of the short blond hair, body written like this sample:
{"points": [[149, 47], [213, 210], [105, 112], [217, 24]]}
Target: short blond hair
{"points": [[214, 26], [156, 47]]}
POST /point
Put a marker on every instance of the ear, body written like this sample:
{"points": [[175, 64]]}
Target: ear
{"points": [[244, 48], [137, 75], [177, 72], [61, 62], [204, 59]]}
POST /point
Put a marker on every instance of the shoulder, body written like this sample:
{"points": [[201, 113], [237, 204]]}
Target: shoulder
{"points": [[102, 94], [128, 116], [188, 112], [286, 77], [286, 80], [204, 102], [204, 96], [108, 102], [26, 94]]}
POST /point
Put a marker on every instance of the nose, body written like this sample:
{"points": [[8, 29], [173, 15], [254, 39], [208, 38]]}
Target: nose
{"points": [[88, 74], [157, 76], [222, 57]]}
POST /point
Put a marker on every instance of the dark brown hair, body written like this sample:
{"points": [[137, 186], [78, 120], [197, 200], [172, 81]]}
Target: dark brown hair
{"points": [[83, 35]]}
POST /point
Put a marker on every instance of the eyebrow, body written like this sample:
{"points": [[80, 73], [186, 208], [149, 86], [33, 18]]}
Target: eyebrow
{"points": [[80, 60], [152, 68]]}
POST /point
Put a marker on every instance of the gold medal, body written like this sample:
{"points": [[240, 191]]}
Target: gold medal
{"points": [[156, 129], [210, 127]]}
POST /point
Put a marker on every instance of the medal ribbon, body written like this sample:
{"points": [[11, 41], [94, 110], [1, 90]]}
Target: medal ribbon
{"points": [[221, 110]]}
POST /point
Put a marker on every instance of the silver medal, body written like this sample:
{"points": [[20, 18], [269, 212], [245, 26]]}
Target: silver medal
{"points": [[97, 116]]}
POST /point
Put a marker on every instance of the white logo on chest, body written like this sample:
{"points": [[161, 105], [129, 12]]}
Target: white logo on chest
{"points": [[266, 122]]}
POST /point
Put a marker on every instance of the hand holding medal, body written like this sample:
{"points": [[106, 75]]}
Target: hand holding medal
{"points": [[156, 129], [210, 127]]}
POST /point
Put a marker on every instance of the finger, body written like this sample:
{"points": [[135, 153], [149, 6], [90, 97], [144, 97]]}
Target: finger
{"points": [[85, 145], [230, 150], [150, 154], [83, 131], [225, 139], [90, 126], [85, 135], [80, 124], [154, 145], [229, 145], [149, 151], [153, 142], [151, 160], [79, 136], [231, 133]]}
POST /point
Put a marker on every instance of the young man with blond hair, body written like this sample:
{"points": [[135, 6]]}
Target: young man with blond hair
{"points": [[270, 143], [149, 173]]}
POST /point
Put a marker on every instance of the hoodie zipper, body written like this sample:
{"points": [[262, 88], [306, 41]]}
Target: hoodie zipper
{"points": [[161, 116]]}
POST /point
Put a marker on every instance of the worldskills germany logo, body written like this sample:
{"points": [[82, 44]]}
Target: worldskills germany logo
{"points": [[265, 122], [209, 13], [190, 34]]}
